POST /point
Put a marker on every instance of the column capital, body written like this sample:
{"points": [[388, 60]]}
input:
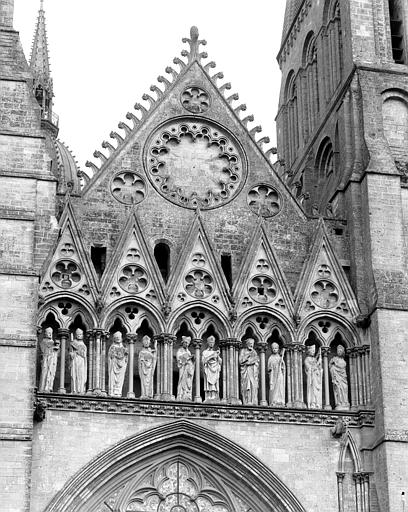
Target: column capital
{"points": [[262, 346], [351, 352], [197, 342], [325, 351], [63, 332], [165, 338], [98, 332], [340, 476], [131, 338], [232, 342]]}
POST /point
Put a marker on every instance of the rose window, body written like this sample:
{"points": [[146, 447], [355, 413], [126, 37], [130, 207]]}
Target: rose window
{"points": [[128, 188], [195, 100], [264, 201], [66, 274], [325, 294], [198, 284], [195, 165], [133, 279], [262, 289]]}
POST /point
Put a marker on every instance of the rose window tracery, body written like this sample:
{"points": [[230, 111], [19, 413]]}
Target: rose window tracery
{"points": [[264, 200], [66, 274], [195, 164], [195, 100], [133, 279], [128, 187], [325, 294], [198, 284], [262, 289]]}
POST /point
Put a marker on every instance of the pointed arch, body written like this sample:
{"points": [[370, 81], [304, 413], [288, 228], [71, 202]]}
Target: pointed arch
{"points": [[202, 448], [311, 95]]}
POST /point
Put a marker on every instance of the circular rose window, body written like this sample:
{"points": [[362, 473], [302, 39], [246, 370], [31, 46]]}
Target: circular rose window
{"points": [[195, 164]]}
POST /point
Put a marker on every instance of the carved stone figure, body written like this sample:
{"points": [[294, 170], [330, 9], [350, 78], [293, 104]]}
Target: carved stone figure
{"points": [[212, 367], [78, 353], [313, 369], [338, 373], [49, 359], [277, 376], [185, 363], [249, 366], [147, 366], [117, 363]]}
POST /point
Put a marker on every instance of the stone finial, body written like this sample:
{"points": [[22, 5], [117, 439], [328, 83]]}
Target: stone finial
{"points": [[194, 43]]}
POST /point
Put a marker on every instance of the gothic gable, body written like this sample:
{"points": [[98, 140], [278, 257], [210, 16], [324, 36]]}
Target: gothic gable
{"points": [[260, 280], [69, 270], [323, 285]]}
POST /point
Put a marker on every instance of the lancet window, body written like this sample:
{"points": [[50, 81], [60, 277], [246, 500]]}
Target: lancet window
{"points": [[292, 117], [398, 42], [333, 47], [311, 94]]}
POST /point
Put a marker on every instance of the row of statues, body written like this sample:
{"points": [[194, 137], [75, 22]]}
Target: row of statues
{"points": [[249, 363]]}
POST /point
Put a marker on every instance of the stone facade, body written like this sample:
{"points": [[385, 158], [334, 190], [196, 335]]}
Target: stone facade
{"points": [[185, 234]]}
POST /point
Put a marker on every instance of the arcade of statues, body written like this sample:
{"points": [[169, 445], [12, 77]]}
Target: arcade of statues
{"points": [[229, 371]]}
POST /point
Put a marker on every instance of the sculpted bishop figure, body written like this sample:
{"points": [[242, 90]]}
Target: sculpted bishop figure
{"points": [[49, 352], [313, 369], [147, 366], [185, 363], [117, 364], [249, 366], [212, 367], [277, 372], [78, 353]]}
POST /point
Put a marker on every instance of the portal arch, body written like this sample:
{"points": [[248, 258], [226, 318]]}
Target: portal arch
{"points": [[175, 465]]}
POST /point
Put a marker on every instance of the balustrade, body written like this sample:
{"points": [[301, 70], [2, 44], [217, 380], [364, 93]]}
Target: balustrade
{"points": [[161, 362]]}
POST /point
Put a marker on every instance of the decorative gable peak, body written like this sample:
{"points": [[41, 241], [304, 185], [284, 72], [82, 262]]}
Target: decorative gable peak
{"points": [[323, 286], [143, 111]]}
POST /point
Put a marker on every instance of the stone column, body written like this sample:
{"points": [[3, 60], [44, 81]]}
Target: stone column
{"points": [[98, 361], [326, 377], [353, 379], [224, 356], [197, 347], [104, 338], [366, 491], [289, 376], [297, 373], [367, 366], [89, 338], [63, 335], [340, 495], [233, 371], [262, 346], [131, 338], [362, 377], [159, 366], [165, 368]]}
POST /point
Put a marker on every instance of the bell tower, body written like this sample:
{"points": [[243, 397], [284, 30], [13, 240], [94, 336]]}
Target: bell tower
{"points": [[343, 138], [27, 229]]}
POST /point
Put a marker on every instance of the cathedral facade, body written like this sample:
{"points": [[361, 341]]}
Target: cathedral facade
{"points": [[199, 322]]}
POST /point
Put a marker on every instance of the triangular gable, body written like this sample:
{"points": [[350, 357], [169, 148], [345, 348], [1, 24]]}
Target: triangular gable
{"points": [[69, 268], [132, 270], [192, 71], [260, 280], [197, 276], [323, 285]]}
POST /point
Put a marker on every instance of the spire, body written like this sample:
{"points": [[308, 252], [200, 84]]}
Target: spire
{"points": [[40, 66]]}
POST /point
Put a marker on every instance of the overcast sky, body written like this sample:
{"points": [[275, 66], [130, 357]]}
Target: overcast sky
{"points": [[105, 54]]}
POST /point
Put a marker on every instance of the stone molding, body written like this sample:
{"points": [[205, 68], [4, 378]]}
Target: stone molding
{"points": [[217, 412]]}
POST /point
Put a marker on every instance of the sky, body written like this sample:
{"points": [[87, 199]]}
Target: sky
{"points": [[105, 54]]}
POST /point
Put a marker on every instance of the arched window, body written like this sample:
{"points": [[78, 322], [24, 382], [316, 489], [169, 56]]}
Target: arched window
{"points": [[162, 257], [292, 117], [397, 31], [333, 51], [311, 92], [395, 123], [325, 159]]}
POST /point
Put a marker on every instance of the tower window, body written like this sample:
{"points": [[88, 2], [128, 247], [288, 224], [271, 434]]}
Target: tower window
{"points": [[397, 31], [226, 265], [98, 257], [162, 257]]}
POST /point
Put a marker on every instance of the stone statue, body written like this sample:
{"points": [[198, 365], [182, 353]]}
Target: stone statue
{"points": [[313, 369], [277, 376], [249, 366], [78, 354], [212, 367], [338, 373], [49, 358], [117, 364], [185, 363], [147, 366]]}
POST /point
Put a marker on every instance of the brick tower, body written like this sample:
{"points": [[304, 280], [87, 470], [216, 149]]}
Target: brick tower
{"points": [[343, 136]]}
